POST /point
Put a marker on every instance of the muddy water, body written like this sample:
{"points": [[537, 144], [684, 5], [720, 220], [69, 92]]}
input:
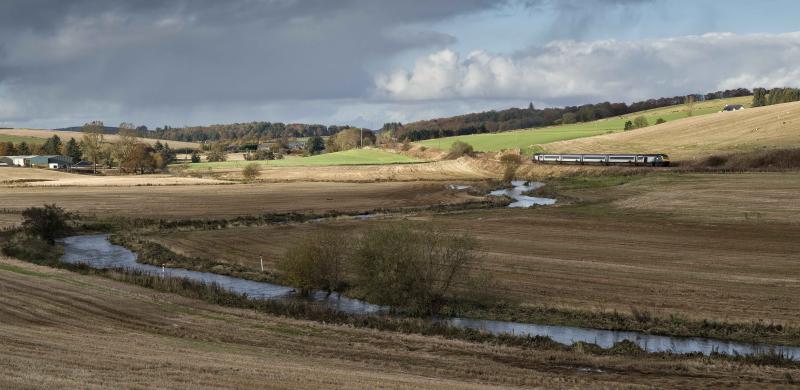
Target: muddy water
{"points": [[523, 201], [97, 252]]}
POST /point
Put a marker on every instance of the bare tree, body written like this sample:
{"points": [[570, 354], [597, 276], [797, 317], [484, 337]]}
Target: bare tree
{"points": [[93, 141]]}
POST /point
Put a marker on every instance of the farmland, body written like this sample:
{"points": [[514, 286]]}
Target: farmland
{"points": [[348, 157], [18, 139], [98, 332], [65, 135], [526, 139]]}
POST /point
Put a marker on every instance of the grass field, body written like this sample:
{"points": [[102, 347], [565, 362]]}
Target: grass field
{"points": [[18, 139], [526, 139], [348, 157], [98, 333]]}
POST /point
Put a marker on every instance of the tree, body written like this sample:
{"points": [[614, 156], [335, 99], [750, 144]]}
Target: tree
{"points": [[315, 145], [511, 163], [251, 171], [640, 121], [141, 160], [23, 148], [48, 222], [72, 149], [195, 157], [217, 153], [52, 145], [568, 118], [7, 149], [759, 97], [317, 263], [126, 142], [689, 103], [628, 125], [92, 142]]}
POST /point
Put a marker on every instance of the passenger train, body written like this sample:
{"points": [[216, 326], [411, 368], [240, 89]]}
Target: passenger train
{"points": [[656, 160]]}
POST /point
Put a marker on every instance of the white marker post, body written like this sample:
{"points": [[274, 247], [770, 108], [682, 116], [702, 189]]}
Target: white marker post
{"points": [[261, 258], [163, 271]]}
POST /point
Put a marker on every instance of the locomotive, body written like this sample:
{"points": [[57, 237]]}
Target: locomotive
{"points": [[655, 160]]}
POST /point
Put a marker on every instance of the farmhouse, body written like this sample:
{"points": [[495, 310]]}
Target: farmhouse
{"points": [[46, 161]]}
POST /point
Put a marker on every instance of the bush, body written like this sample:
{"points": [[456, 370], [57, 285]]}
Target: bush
{"points": [[639, 122], [217, 153], [251, 171], [195, 157], [48, 222], [460, 148], [398, 266], [317, 263], [511, 163], [660, 121]]}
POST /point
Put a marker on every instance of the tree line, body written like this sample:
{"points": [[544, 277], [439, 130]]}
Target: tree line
{"points": [[52, 146], [765, 97], [239, 133], [127, 153], [521, 118]]}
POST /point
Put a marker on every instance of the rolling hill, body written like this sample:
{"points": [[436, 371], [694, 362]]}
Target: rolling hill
{"points": [[776, 126], [529, 139], [28, 134]]}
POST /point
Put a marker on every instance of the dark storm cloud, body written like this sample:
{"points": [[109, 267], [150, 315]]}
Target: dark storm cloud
{"points": [[139, 54]]}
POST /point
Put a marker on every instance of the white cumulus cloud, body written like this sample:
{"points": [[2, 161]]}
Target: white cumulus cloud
{"points": [[606, 70]]}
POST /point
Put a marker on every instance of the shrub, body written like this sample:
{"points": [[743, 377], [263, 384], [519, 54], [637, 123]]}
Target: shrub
{"points": [[317, 263], [511, 163], [398, 266], [48, 222], [195, 157], [217, 153], [251, 171], [660, 121], [460, 148], [639, 122]]}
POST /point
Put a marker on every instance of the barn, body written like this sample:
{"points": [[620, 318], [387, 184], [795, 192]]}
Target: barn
{"points": [[49, 161]]}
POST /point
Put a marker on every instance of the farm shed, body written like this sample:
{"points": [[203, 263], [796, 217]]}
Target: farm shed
{"points": [[52, 161]]}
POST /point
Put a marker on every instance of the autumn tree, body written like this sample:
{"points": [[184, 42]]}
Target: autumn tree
{"points": [[92, 142]]}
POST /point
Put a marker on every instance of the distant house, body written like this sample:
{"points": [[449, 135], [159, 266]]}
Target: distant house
{"points": [[732, 107], [51, 161]]}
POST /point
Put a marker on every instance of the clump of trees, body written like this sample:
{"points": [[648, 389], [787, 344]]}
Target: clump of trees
{"points": [[350, 138], [764, 97], [52, 145], [395, 265], [315, 145], [217, 153], [637, 123]]}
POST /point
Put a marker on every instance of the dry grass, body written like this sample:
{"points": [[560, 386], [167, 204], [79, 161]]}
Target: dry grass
{"points": [[97, 333], [776, 126], [218, 201], [66, 135], [34, 177]]}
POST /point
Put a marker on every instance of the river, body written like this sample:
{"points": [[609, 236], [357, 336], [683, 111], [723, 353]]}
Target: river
{"points": [[97, 252]]}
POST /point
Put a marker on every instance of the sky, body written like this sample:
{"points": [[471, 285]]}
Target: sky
{"points": [[367, 62]]}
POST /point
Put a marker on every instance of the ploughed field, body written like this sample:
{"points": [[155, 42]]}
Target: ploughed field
{"points": [[223, 201], [613, 252], [98, 333]]}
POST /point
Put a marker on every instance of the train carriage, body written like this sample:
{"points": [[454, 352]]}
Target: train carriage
{"points": [[655, 160]]}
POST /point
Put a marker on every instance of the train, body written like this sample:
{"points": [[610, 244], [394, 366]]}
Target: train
{"points": [[654, 160]]}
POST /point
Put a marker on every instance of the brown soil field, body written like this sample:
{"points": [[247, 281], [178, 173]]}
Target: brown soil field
{"points": [[776, 126], [754, 197], [97, 333], [33, 177], [66, 135], [614, 252], [218, 201]]}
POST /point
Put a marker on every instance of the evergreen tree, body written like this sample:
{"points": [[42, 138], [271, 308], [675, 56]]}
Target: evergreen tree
{"points": [[72, 149], [23, 148], [759, 97]]}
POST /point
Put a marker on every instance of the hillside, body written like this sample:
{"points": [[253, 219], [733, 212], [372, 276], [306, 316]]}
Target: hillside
{"points": [[347, 157], [25, 134], [529, 138], [776, 126]]}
